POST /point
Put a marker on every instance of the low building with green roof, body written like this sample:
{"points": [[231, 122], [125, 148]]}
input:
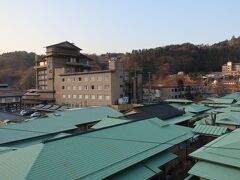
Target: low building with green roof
{"points": [[219, 159], [134, 150], [70, 121]]}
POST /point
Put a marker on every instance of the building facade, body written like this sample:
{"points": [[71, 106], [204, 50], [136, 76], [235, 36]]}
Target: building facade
{"points": [[231, 69], [67, 77]]}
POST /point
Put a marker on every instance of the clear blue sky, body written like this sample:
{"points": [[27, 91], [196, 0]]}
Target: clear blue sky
{"points": [[100, 26]]}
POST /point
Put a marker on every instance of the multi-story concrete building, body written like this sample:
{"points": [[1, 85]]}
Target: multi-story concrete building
{"points": [[67, 77], [231, 69], [176, 92]]}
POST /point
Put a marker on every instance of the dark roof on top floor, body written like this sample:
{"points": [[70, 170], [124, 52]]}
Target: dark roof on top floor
{"points": [[10, 93], [162, 111], [65, 44]]}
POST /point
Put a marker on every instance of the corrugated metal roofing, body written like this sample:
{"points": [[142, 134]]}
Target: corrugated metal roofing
{"points": [[147, 169], [185, 117], [195, 108], [108, 122], [210, 130], [214, 171], [213, 100], [54, 124], [96, 154], [235, 96], [231, 118], [185, 101], [224, 150], [162, 111]]}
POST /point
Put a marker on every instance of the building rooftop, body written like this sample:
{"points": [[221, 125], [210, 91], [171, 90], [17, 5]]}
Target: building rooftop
{"points": [[182, 101], [106, 122], [162, 111], [55, 123], [210, 130], [97, 154], [219, 159]]}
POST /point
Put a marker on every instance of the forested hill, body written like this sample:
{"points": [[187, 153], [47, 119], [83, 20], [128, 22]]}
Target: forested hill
{"points": [[185, 57], [16, 69]]}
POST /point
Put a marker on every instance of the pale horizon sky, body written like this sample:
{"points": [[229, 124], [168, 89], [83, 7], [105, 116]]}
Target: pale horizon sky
{"points": [[101, 26]]}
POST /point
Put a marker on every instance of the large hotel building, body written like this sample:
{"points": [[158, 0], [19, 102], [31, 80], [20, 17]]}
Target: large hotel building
{"points": [[231, 69], [66, 77]]}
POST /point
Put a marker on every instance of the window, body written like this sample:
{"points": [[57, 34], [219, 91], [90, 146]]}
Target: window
{"points": [[80, 96], [85, 78], [64, 96], [80, 88], [63, 87], [107, 97], [100, 97], [92, 78], [86, 96], [73, 80], [92, 87], [69, 96], [106, 87], [74, 96], [68, 87], [99, 87], [99, 78], [93, 97], [74, 88], [68, 79], [79, 79], [106, 78]]}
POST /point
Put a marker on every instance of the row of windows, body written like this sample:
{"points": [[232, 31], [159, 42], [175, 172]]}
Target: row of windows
{"points": [[86, 96], [86, 78], [42, 87], [184, 89], [92, 87], [42, 82], [42, 72], [42, 77]]}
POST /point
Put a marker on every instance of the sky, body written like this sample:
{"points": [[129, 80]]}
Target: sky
{"points": [[101, 26]]}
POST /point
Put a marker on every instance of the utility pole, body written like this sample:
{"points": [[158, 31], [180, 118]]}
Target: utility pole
{"points": [[149, 86]]}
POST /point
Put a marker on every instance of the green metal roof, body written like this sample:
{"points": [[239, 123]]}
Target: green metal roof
{"points": [[185, 117], [209, 130], [235, 96], [147, 169], [224, 150], [195, 108], [214, 171], [96, 154], [231, 118], [184, 101], [214, 100], [108, 122], [66, 120]]}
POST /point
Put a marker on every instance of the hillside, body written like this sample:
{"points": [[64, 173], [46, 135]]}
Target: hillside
{"points": [[17, 69]]}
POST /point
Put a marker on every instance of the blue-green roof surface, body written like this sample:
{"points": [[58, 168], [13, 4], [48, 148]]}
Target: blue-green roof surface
{"points": [[195, 108], [96, 154], [219, 159], [147, 169], [214, 100], [231, 118], [185, 117], [213, 171], [235, 96], [210, 130], [182, 101], [224, 150], [108, 122], [66, 120]]}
